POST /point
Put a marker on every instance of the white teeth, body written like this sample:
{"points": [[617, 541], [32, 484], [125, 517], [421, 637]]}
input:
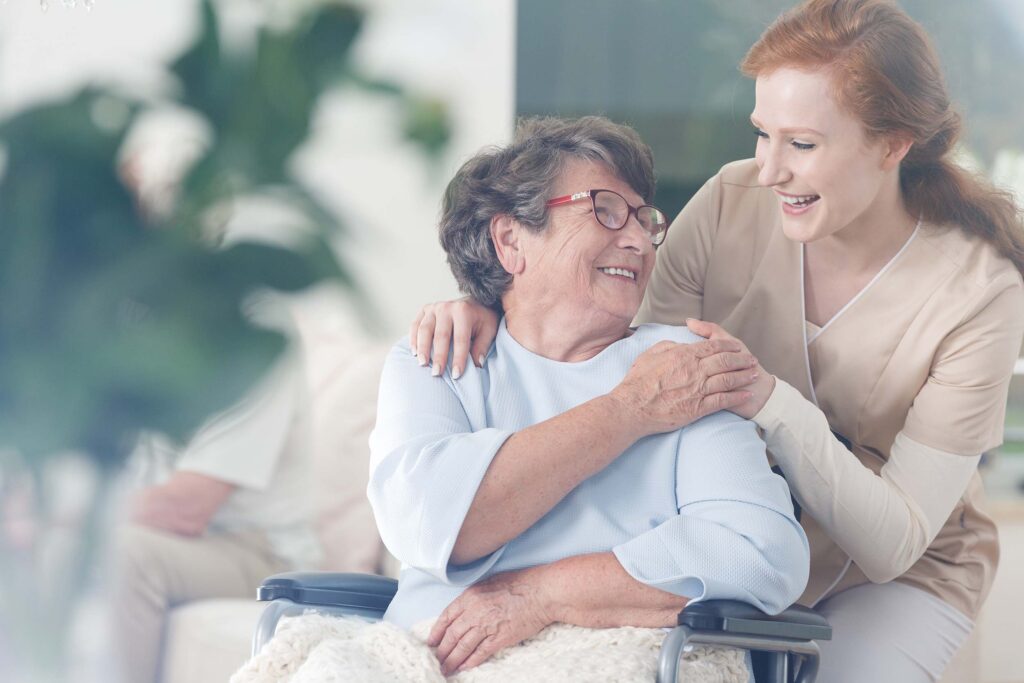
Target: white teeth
{"points": [[799, 200], [619, 271]]}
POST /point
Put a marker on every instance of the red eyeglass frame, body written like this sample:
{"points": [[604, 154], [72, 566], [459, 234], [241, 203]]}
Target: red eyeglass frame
{"points": [[632, 210]]}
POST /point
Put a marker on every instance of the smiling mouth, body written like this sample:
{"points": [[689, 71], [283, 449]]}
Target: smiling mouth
{"points": [[799, 202], [622, 272]]}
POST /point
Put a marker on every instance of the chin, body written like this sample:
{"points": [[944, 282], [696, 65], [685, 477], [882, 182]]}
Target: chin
{"points": [[623, 315], [799, 232]]}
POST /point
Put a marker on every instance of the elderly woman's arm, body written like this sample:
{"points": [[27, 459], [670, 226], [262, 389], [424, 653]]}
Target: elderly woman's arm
{"points": [[734, 537], [587, 590], [434, 458]]}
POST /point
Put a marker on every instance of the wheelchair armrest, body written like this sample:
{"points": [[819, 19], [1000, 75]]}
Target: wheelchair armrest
{"points": [[739, 618], [293, 593], [781, 638], [333, 589]]}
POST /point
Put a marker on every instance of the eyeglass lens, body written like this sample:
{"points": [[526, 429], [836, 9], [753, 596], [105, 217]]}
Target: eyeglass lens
{"points": [[612, 211]]}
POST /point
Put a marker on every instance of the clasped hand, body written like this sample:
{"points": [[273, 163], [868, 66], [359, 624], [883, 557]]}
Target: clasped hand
{"points": [[672, 385], [499, 612]]}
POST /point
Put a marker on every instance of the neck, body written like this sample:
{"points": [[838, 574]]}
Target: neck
{"points": [[871, 241], [546, 333]]}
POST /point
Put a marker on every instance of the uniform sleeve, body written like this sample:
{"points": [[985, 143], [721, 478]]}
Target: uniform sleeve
{"points": [[883, 522], [426, 464], [735, 536], [962, 406], [244, 444], [676, 289]]}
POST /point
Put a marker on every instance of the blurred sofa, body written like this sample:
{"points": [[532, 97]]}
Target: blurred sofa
{"points": [[208, 640]]}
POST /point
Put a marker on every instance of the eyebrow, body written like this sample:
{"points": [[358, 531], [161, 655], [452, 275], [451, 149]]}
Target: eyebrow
{"points": [[790, 131]]}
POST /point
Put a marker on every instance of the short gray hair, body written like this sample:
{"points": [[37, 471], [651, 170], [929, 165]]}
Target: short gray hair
{"points": [[516, 181]]}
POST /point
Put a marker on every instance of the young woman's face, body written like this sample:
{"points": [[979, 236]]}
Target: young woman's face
{"points": [[816, 158]]}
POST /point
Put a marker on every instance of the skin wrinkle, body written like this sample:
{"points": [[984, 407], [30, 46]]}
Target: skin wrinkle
{"points": [[559, 275]]}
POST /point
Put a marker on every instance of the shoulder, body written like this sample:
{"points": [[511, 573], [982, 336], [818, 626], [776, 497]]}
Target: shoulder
{"points": [[741, 208], [410, 393], [739, 174], [978, 272], [735, 178], [649, 334], [739, 185], [404, 375]]}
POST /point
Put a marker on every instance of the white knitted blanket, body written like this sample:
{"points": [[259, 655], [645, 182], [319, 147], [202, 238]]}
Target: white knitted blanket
{"points": [[314, 648]]}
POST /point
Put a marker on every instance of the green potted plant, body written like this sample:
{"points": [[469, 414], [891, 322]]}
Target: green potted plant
{"points": [[115, 318]]}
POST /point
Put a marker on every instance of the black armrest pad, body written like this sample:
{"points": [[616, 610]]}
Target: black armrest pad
{"points": [[330, 588], [731, 616]]}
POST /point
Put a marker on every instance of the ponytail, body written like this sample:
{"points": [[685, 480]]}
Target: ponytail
{"points": [[943, 192]]}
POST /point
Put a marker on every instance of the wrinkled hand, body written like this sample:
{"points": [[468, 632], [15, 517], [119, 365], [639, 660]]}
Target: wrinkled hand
{"points": [[502, 611], [764, 382], [472, 327], [671, 385]]}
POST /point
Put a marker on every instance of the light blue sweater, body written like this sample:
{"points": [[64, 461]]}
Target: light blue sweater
{"points": [[696, 512]]}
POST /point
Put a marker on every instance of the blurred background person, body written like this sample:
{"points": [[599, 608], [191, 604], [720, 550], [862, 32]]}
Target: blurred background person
{"points": [[227, 510]]}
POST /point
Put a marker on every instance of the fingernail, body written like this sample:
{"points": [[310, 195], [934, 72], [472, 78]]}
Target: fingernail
{"points": [[480, 361], [456, 372], [435, 370], [755, 375], [422, 359]]}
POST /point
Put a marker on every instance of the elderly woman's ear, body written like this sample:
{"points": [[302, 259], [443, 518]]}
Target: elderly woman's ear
{"points": [[505, 234]]}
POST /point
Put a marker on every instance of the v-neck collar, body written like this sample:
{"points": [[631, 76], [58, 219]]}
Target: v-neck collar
{"points": [[857, 296]]}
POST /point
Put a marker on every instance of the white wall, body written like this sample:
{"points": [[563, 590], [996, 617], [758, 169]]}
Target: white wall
{"points": [[460, 50]]}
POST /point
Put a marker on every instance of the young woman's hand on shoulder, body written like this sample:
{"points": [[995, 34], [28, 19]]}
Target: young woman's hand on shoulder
{"points": [[470, 326], [763, 384], [672, 385]]}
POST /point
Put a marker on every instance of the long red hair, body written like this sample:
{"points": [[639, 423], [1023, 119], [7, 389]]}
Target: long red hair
{"points": [[886, 73]]}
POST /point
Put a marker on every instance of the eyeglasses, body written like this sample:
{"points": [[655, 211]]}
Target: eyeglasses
{"points": [[613, 211]]}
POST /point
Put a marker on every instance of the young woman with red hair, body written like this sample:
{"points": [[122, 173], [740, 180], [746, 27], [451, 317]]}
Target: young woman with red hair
{"points": [[879, 285]]}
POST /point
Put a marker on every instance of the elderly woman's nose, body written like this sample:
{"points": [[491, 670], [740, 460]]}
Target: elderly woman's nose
{"points": [[633, 236]]}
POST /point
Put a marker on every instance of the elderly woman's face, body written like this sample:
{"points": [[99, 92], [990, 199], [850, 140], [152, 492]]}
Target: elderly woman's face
{"points": [[580, 265]]}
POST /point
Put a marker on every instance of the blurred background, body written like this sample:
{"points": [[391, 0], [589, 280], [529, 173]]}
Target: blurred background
{"points": [[162, 162]]}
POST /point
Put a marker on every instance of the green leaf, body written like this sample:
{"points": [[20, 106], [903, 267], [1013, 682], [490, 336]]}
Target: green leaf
{"points": [[112, 321], [201, 69]]}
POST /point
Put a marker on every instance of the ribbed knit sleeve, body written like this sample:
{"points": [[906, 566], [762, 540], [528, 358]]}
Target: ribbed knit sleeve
{"points": [[735, 535], [429, 452]]}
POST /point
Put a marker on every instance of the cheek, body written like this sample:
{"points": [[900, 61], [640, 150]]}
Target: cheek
{"points": [[853, 186], [828, 177], [645, 277]]}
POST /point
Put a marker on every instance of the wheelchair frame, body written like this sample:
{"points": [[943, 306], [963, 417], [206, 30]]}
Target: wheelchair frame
{"points": [[783, 647]]}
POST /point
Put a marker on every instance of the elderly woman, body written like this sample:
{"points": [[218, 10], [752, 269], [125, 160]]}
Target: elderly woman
{"points": [[507, 514]]}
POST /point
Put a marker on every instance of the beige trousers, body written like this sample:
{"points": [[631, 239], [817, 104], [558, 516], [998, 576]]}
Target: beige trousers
{"points": [[889, 633], [155, 571]]}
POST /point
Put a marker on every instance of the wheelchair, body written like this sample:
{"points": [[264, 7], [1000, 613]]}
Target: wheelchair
{"points": [[783, 647]]}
